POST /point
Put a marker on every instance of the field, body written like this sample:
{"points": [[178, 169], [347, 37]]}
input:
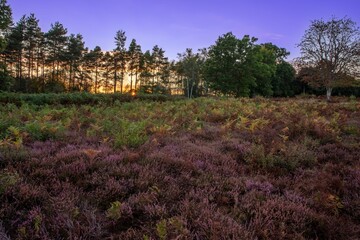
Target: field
{"points": [[181, 169]]}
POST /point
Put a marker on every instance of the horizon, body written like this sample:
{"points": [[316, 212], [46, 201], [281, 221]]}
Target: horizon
{"points": [[175, 26]]}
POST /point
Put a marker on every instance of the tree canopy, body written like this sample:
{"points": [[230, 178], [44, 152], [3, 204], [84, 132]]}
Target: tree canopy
{"points": [[5, 21], [57, 61], [331, 53], [240, 67], [229, 65]]}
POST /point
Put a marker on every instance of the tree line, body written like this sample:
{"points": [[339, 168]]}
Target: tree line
{"points": [[56, 61]]}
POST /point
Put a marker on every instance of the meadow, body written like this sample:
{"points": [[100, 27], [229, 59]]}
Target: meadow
{"points": [[162, 168]]}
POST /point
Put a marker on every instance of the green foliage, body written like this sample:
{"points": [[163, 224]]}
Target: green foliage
{"points": [[6, 80], [79, 98], [13, 137], [161, 230], [210, 168], [131, 134], [37, 223], [284, 80], [12, 154], [114, 211], [44, 130], [228, 68], [5, 21], [190, 67], [7, 179], [239, 67]]}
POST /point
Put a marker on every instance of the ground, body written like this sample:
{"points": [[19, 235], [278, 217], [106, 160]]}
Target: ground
{"points": [[185, 169]]}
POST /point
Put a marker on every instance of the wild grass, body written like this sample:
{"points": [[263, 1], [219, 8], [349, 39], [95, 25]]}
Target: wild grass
{"points": [[205, 168]]}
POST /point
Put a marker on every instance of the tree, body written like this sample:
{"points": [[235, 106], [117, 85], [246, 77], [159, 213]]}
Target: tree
{"points": [[332, 51], [264, 68], [14, 53], [267, 58], [189, 67], [6, 80], [158, 62], [146, 66], [85, 81], [119, 58], [229, 66], [135, 55], [56, 41], [32, 42], [283, 82], [5, 22], [106, 63], [73, 55], [94, 58]]}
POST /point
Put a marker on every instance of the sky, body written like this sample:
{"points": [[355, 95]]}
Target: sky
{"points": [[175, 25]]}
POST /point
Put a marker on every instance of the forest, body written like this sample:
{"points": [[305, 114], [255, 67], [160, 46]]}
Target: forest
{"points": [[33, 61], [231, 141]]}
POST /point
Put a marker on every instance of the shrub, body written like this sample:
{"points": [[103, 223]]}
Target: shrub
{"points": [[12, 155], [44, 131], [114, 211], [130, 134], [7, 179]]}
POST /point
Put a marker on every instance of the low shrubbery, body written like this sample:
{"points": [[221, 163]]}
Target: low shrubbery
{"points": [[195, 169], [78, 98]]}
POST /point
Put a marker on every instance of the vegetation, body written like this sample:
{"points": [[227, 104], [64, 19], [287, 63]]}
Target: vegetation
{"points": [[202, 168], [93, 145], [79, 98], [330, 54], [33, 61]]}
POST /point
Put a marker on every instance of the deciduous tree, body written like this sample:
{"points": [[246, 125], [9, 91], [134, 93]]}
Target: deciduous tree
{"points": [[229, 67], [189, 67], [332, 50]]}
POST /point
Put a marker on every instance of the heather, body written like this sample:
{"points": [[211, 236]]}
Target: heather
{"points": [[206, 168]]}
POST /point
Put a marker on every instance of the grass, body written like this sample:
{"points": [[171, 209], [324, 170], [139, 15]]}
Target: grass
{"points": [[204, 168]]}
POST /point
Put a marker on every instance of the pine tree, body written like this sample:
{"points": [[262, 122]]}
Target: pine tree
{"points": [[32, 42], [5, 22], [106, 64], [135, 55], [73, 56], [6, 81], [14, 53], [56, 40], [94, 57], [146, 75], [119, 58]]}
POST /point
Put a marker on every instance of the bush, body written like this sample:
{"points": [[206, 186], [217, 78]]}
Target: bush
{"points": [[130, 134], [78, 98]]}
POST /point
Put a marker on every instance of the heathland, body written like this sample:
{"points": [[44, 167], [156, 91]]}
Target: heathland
{"points": [[162, 168]]}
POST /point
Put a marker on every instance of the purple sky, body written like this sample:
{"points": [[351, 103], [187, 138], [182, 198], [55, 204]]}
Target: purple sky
{"points": [[179, 24]]}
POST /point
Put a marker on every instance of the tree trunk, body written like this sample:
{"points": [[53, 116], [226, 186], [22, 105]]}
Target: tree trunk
{"points": [[192, 89], [131, 81], [115, 75], [136, 80], [122, 81], [187, 88], [96, 78], [70, 76], [328, 93]]}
